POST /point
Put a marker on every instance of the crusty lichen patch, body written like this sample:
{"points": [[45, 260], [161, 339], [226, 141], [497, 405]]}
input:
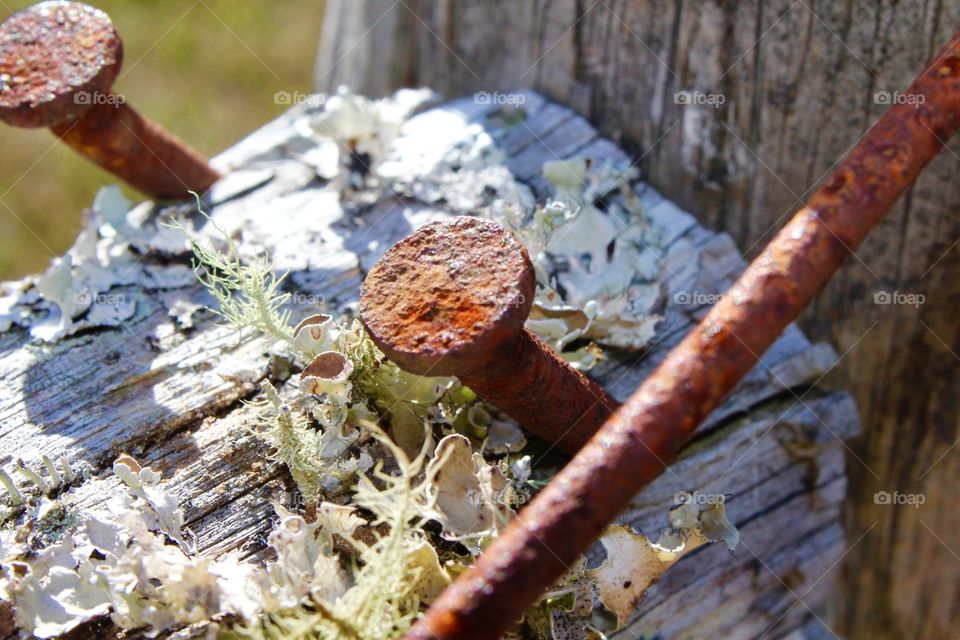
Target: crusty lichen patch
{"points": [[88, 287]]}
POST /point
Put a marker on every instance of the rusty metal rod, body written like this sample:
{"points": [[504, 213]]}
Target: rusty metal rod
{"points": [[634, 446]]}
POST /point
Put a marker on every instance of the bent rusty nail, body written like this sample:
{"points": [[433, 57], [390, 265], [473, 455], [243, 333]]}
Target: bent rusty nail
{"points": [[630, 450]]}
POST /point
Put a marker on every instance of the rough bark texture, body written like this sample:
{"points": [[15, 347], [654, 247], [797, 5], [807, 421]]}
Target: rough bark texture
{"points": [[799, 82], [172, 396]]}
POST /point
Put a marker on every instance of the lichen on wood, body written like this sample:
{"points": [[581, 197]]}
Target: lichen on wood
{"points": [[193, 404]]}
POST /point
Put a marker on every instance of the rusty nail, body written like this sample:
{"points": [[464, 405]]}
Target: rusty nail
{"points": [[451, 300], [632, 447], [58, 62]]}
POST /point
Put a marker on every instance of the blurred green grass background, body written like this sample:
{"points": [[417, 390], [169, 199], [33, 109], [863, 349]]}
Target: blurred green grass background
{"points": [[207, 70]]}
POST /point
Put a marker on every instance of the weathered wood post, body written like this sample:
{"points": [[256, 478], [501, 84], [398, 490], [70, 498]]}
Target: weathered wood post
{"points": [[742, 158], [152, 374]]}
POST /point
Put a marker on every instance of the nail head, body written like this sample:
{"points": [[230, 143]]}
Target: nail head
{"points": [[441, 300], [52, 55]]}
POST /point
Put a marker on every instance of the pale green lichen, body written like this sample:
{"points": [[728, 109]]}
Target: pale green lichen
{"points": [[53, 520], [248, 295], [32, 496], [395, 573], [116, 559], [322, 435], [472, 499], [354, 427], [347, 380], [325, 428], [600, 259], [573, 609], [59, 287], [363, 131], [316, 458], [634, 562], [33, 477], [111, 559]]}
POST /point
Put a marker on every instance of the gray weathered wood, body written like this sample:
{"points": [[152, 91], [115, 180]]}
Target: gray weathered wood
{"points": [[173, 396], [801, 82]]}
